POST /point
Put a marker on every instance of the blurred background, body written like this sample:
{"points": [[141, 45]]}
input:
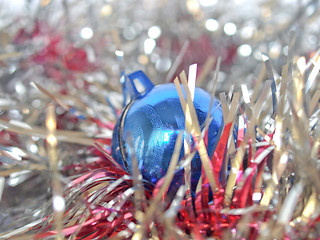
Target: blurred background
{"points": [[151, 34]]}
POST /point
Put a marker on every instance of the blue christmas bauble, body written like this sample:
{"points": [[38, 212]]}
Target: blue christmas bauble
{"points": [[153, 120]]}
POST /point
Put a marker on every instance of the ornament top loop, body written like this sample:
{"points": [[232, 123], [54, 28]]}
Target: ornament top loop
{"points": [[138, 85]]}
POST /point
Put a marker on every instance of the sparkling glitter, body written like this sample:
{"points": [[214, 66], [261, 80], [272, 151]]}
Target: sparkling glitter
{"points": [[230, 28], [245, 50], [149, 45], [86, 33], [58, 203], [212, 25], [154, 32]]}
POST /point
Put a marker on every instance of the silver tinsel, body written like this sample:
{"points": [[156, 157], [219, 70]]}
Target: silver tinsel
{"points": [[41, 62]]}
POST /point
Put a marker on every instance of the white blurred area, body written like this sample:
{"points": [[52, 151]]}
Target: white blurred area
{"points": [[12, 10], [251, 27]]}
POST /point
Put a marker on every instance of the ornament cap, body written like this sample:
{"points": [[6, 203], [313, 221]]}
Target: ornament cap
{"points": [[139, 85]]}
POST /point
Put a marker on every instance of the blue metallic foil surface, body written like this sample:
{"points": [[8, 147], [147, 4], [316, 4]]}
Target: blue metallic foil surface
{"points": [[153, 122]]}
